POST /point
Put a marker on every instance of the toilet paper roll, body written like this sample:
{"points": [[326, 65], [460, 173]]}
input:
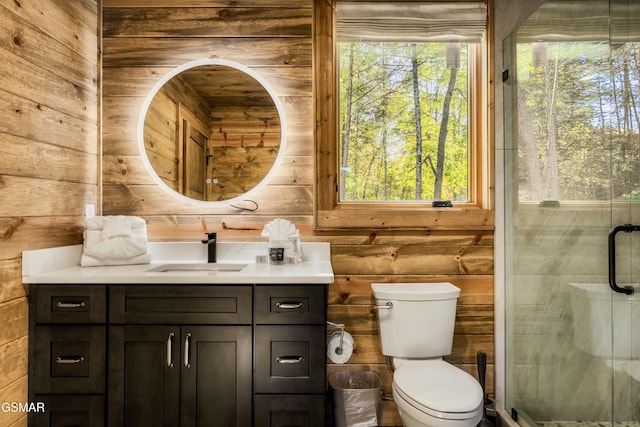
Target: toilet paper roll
{"points": [[333, 347]]}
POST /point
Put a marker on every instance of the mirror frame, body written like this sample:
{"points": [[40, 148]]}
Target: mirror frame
{"points": [[197, 63]]}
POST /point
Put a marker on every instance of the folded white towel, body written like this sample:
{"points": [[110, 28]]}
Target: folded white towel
{"points": [[115, 240], [116, 227], [283, 234]]}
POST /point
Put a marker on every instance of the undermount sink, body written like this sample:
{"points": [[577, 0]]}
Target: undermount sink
{"points": [[214, 266]]}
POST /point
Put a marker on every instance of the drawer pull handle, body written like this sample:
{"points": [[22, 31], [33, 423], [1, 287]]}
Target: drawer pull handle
{"points": [[169, 346], [187, 350], [289, 305], [69, 360], [71, 304], [289, 359]]}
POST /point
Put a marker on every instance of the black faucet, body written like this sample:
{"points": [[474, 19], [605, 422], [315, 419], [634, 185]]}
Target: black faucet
{"points": [[211, 246]]}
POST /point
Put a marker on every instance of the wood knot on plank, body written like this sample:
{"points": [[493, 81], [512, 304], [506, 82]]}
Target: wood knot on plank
{"points": [[16, 40], [344, 297], [372, 237], [13, 225]]}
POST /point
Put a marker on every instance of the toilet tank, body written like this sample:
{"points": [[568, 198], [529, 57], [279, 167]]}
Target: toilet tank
{"points": [[419, 321]]}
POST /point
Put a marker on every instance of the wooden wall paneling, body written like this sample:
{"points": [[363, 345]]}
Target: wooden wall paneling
{"points": [[48, 155], [282, 52], [250, 51], [70, 29], [19, 233], [21, 77], [21, 37], [138, 81], [21, 114], [206, 21], [21, 156], [281, 201], [161, 138], [229, 228], [33, 197], [138, 53], [14, 392], [207, 3]]}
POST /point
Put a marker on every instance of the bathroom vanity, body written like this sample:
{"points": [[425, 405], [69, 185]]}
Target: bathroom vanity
{"points": [[122, 346]]}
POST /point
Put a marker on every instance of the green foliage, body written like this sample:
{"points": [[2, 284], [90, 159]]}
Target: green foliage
{"points": [[380, 159], [583, 137]]}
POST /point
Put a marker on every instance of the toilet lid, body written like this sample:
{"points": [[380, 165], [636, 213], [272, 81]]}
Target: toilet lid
{"points": [[439, 386]]}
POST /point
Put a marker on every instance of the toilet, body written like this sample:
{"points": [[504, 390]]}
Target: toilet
{"points": [[416, 322]]}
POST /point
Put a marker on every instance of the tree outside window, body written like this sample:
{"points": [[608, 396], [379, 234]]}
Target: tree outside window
{"points": [[404, 120]]}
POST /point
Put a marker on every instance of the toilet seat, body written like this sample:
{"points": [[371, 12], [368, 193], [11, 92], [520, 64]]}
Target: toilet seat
{"points": [[439, 389]]}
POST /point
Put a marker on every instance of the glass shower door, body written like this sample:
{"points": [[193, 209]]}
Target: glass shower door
{"points": [[624, 241], [572, 168]]}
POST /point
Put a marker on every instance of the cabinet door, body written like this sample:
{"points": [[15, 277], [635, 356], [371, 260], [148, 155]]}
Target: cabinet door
{"points": [[216, 376], [144, 376]]}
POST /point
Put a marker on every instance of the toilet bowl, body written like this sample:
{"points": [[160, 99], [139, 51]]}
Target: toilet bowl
{"points": [[416, 323], [437, 394]]}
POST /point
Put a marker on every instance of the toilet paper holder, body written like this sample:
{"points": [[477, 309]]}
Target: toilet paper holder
{"points": [[330, 326]]}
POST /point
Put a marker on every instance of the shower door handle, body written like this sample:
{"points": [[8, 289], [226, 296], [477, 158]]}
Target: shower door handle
{"points": [[627, 228]]}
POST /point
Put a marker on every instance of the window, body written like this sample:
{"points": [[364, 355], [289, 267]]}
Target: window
{"points": [[403, 121], [400, 124]]}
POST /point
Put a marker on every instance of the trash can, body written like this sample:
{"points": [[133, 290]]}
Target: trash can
{"points": [[357, 398]]}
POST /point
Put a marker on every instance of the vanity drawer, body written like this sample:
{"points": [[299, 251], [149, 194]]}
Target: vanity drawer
{"points": [[69, 359], [70, 410], [295, 304], [289, 410], [70, 303], [290, 359], [176, 304]]}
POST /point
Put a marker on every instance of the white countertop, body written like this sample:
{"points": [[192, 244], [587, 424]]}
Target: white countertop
{"points": [[62, 265]]}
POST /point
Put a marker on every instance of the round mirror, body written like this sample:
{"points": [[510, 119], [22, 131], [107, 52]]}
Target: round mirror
{"points": [[211, 131]]}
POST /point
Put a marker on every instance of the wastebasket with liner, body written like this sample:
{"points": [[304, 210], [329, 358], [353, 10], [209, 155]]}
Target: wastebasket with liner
{"points": [[357, 398]]}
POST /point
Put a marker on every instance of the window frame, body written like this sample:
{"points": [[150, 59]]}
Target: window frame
{"points": [[329, 213]]}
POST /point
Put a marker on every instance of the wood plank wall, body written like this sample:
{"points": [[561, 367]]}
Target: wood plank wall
{"points": [[48, 154], [274, 37]]}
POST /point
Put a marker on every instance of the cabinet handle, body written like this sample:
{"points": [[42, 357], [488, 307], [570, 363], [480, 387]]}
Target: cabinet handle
{"points": [[69, 360], [289, 359], [169, 346], [187, 344], [289, 305], [69, 304]]}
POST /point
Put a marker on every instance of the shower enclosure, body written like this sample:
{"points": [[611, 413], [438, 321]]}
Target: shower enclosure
{"points": [[572, 170]]}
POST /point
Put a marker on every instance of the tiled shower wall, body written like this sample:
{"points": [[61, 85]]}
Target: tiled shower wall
{"points": [[554, 376]]}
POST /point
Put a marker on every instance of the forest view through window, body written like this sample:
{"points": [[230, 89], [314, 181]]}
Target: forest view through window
{"points": [[578, 111], [404, 121]]}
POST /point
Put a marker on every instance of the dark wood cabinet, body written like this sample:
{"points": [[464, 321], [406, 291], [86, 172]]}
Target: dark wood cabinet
{"points": [[144, 376], [178, 355], [179, 376], [290, 366], [67, 354], [194, 372]]}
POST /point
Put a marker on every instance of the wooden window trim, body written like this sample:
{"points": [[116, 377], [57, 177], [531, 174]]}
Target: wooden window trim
{"points": [[329, 214]]}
